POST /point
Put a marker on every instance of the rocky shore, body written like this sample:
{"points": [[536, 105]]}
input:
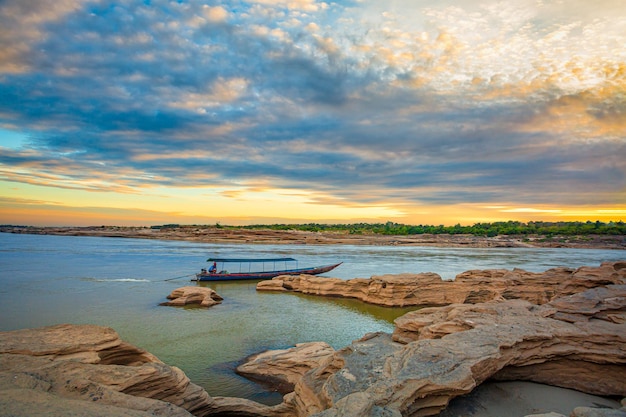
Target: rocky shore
{"points": [[228, 235], [564, 328], [78, 370], [470, 287]]}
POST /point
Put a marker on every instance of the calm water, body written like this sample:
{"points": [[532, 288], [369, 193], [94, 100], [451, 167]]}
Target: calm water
{"points": [[47, 280]]}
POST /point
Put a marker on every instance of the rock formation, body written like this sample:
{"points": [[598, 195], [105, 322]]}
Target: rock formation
{"points": [[437, 354], [476, 286], [88, 370], [204, 296], [283, 368], [564, 327]]}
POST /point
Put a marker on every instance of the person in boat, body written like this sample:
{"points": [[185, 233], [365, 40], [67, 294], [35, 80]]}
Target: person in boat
{"points": [[213, 268]]}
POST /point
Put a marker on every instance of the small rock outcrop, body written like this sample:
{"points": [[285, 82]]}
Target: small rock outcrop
{"points": [[204, 296], [471, 287]]}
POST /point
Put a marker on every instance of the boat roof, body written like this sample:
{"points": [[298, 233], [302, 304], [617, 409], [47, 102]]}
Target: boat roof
{"points": [[250, 260]]}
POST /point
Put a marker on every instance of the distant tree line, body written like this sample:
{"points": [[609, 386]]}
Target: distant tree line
{"points": [[478, 229]]}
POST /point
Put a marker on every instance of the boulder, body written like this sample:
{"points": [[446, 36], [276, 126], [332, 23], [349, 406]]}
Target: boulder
{"points": [[204, 296], [88, 370], [470, 287]]}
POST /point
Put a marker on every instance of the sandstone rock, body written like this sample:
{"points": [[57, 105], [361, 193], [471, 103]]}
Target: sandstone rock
{"points": [[90, 364], [597, 412], [88, 370], [283, 368], [476, 286], [204, 296], [348, 373], [387, 290], [437, 354], [239, 407]]}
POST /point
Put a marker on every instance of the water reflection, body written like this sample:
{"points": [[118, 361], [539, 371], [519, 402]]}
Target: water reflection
{"points": [[388, 314]]}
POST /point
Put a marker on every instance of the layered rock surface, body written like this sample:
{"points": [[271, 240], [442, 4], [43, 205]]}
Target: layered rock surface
{"points": [[563, 327], [284, 368], [476, 286], [203, 296], [88, 370]]}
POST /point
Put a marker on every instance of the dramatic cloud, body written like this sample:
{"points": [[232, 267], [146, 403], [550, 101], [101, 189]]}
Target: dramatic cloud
{"points": [[399, 105]]}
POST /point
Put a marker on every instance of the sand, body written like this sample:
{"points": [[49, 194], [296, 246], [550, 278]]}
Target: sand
{"points": [[519, 398]]}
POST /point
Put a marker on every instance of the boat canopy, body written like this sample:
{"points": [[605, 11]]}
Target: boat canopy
{"points": [[241, 260]]}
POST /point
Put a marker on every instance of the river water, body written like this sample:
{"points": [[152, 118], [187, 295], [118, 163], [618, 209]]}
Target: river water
{"points": [[46, 280]]}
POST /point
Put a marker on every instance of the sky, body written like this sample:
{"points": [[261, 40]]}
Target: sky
{"points": [[296, 111]]}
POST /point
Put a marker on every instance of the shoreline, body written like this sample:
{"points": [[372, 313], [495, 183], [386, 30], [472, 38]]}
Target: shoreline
{"points": [[212, 234]]}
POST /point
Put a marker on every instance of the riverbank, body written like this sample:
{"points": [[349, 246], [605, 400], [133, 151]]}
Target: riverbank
{"points": [[213, 234]]}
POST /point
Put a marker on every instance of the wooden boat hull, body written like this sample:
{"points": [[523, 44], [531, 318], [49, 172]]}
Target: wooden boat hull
{"points": [[206, 276]]}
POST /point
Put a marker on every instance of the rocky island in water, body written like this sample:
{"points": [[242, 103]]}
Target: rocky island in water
{"points": [[563, 328]]}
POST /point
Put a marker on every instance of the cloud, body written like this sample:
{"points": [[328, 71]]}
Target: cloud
{"points": [[22, 25], [306, 5], [215, 14], [364, 102]]}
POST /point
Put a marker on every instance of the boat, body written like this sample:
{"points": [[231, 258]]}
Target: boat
{"points": [[264, 269]]}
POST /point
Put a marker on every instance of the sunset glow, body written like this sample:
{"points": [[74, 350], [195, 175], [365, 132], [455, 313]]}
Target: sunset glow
{"points": [[270, 111]]}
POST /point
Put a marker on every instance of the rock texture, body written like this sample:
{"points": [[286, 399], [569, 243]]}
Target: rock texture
{"points": [[477, 286], [437, 354], [204, 296], [564, 327], [88, 370], [284, 368]]}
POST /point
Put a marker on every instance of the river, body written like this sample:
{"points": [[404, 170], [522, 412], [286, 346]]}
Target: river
{"points": [[116, 282]]}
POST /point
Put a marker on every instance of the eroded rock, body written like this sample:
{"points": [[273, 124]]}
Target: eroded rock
{"points": [[470, 287], [437, 354], [203, 296], [283, 368], [88, 370]]}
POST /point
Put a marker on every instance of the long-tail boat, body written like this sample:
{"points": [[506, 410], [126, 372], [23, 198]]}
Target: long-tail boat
{"points": [[264, 269]]}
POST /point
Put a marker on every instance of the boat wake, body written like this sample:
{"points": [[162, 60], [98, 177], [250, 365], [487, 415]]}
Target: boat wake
{"points": [[116, 279]]}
